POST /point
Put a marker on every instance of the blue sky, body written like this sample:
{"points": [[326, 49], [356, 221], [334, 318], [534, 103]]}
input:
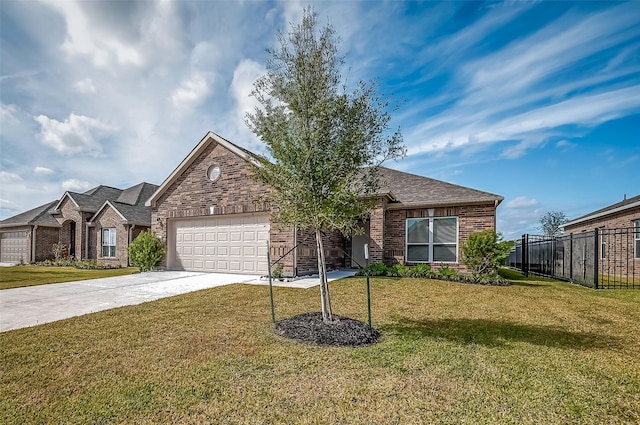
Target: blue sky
{"points": [[536, 101]]}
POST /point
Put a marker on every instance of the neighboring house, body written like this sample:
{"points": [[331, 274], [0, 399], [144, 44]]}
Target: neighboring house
{"points": [[618, 227], [211, 214], [97, 224]]}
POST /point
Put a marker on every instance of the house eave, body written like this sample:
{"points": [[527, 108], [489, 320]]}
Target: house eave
{"points": [[601, 214], [406, 206]]}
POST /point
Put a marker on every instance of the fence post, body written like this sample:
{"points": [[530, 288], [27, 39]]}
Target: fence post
{"points": [[596, 233], [525, 255]]}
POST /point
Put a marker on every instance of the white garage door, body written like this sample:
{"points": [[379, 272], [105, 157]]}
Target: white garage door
{"points": [[13, 247], [226, 244]]}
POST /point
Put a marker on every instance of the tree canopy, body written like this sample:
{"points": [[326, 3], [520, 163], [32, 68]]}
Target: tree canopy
{"points": [[551, 223]]}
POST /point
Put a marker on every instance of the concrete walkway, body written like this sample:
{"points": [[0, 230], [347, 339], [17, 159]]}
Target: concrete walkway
{"points": [[35, 305]]}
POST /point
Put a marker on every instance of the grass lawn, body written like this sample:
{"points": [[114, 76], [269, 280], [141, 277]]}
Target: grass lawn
{"points": [[19, 276], [537, 352]]}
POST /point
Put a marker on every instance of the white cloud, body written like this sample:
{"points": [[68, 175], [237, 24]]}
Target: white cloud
{"points": [[8, 113], [8, 177], [521, 202], [84, 86], [565, 145], [77, 134], [245, 74], [8, 205], [192, 92], [42, 171], [75, 185], [121, 34]]}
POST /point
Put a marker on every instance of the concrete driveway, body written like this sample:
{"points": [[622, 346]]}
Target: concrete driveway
{"points": [[35, 305]]}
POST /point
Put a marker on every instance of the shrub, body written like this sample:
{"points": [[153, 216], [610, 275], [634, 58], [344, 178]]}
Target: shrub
{"points": [[146, 251], [484, 252], [276, 272], [422, 270], [447, 273], [58, 249], [399, 270], [375, 269]]}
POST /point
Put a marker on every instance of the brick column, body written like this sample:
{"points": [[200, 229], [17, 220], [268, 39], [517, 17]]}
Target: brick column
{"points": [[376, 233]]}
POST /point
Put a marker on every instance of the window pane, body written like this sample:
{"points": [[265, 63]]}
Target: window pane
{"points": [[418, 253], [112, 251], [444, 230], [105, 251], [638, 248], [112, 237], [444, 253], [417, 230], [105, 237]]}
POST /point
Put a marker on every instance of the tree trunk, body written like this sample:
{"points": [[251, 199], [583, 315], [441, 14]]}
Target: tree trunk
{"points": [[325, 299]]}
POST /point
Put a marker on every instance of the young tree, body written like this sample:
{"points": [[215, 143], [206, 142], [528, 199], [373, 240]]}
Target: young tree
{"points": [[551, 223], [325, 143]]}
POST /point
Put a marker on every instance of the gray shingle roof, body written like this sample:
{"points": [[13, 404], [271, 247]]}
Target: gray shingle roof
{"points": [[411, 190], [138, 194], [129, 203], [38, 215]]}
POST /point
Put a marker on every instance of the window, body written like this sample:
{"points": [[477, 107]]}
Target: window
{"points": [[636, 239], [603, 243], [109, 242], [432, 240]]}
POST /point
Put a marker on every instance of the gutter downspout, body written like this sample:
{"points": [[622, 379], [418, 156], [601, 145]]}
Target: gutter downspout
{"points": [[33, 243], [86, 240], [131, 227], [295, 251]]}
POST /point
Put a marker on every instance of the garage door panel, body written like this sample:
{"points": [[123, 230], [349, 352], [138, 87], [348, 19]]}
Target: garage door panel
{"points": [[225, 244]]}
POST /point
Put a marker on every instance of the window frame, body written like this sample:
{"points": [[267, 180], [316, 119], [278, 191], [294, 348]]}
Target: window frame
{"points": [[430, 244], [603, 243], [106, 242]]}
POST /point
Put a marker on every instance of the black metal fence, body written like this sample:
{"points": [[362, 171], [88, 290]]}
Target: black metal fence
{"points": [[602, 258]]}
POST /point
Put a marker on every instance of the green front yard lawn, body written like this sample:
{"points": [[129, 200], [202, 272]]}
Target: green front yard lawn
{"points": [[19, 276], [532, 353]]}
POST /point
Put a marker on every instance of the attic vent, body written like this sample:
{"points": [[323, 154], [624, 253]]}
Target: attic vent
{"points": [[213, 173]]}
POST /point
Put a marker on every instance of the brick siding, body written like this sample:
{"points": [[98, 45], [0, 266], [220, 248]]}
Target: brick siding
{"points": [[46, 237], [235, 192], [471, 219], [619, 259]]}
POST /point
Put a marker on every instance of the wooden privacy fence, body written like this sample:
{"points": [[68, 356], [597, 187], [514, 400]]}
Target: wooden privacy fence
{"points": [[601, 259]]}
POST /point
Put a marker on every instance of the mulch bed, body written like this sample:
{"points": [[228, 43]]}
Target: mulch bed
{"points": [[309, 328]]}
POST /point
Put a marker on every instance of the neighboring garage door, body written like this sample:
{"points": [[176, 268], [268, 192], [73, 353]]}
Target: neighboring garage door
{"points": [[13, 247], [226, 244]]}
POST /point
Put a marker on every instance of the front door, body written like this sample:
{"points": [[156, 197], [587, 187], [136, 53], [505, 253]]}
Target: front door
{"points": [[357, 246]]}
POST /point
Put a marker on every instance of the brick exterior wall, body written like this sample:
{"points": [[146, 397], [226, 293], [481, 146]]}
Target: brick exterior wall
{"points": [[46, 237], [333, 244], [109, 218], [69, 213], [235, 192], [619, 249], [471, 219]]}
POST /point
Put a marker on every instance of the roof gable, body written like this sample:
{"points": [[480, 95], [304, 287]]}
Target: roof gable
{"points": [[209, 138], [623, 205], [92, 199]]}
